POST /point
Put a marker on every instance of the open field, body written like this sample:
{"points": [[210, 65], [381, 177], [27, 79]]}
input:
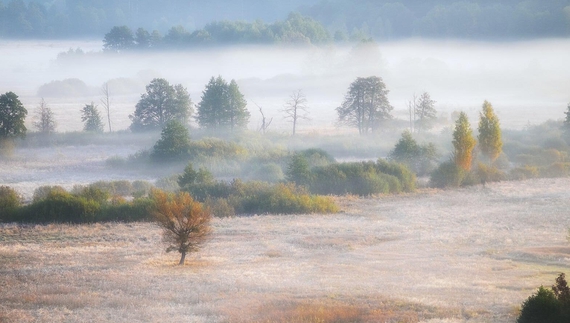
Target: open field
{"points": [[469, 255]]}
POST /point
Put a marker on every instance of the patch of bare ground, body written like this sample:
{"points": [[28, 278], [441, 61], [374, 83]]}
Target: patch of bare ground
{"points": [[468, 255]]}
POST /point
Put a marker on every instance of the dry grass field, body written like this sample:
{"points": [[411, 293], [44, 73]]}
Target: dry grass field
{"points": [[468, 255]]}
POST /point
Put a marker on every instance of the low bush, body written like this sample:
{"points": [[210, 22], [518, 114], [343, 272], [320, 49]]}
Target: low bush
{"points": [[555, 170], [524, 172], [60, 207], [10, 201], [448, 174], [485, 173]]}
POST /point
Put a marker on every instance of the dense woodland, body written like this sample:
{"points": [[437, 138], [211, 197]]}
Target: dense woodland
{"points": [[474, 19]]}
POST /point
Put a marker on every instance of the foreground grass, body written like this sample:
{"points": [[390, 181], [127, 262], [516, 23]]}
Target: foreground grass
{"points": [[470, 255]]}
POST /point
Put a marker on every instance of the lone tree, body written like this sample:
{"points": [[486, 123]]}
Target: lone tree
{"points": [[490, 141], [91, 118], [185, 222], [425, 112], [160, 104], [296, 108], [222, 106], [12, 116], [463, 142], [365, 105], [173, 144], [44, 120], [120, 38]]}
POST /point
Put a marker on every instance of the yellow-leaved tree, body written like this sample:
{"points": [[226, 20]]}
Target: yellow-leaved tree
{"points": [[463, 142], [185, 222]]}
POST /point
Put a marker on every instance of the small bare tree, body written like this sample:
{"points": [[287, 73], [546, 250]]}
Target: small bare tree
{"points": [[185, 222], [296, 108], [264, 122], [412, 107], [43, 119], [106, 102]]}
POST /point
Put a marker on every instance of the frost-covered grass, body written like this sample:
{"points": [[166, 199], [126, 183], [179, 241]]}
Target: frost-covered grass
{"points": [[470, 255]]}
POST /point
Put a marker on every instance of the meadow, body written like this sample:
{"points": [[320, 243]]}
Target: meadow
{"points": [[467, 255]]}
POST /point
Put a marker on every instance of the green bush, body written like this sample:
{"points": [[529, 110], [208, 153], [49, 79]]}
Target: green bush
{"points": [[485, 173], [448, 174], [60, 207], [10, 201], [137, 210], [542, 307], [555, 170], [42, 192]]}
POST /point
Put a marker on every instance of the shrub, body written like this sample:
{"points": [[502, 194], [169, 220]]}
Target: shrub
{"points": [[220, 207], [121, 211], [173, 145], [548, 306], [485, 173], [42, 192], [555, 170], [270, 172], [405, 176], [60, 207], [10, 201], [448, 174]]}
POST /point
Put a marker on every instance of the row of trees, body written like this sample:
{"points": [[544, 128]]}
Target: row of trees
{"points": [[295, 29]]}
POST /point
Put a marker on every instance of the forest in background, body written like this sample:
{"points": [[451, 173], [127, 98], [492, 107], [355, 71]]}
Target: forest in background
{"points": [[385, 20]]}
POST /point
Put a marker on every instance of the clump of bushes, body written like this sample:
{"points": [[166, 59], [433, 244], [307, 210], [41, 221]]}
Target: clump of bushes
{"points": [[548, 305], [360, 178], [448, 174], [10, 201]]}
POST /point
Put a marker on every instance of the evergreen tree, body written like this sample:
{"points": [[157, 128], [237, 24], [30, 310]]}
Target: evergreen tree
{"points": [[425, 112], [173, 144], [91, 118], [222, 105], [463, 142], [490, 141]]}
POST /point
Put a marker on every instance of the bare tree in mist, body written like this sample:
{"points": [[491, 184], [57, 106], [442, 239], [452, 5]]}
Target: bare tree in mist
{"points": [[185, 222], [412, 106], [44, 119], [296, 108], [106, 102], [365, 105], [264, 122]]}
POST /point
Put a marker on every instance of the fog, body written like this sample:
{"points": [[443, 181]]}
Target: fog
{"points": [[527, 82]]}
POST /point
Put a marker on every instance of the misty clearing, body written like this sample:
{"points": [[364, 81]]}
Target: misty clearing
{"points": [[470, 255]]}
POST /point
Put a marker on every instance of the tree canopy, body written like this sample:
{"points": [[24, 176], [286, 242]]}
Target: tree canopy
{"points": [[222, 105], [365, 105], [490, 141], [91, 118], [12, 116], [463, 142], [160, 104]]}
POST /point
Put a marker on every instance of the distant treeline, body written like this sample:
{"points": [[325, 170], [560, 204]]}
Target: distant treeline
{"points": [[388, 19], [296, 29]]}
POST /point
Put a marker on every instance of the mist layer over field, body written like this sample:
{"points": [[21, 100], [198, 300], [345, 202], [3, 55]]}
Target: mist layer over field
{"points": [[470, 255], [527, 82]]}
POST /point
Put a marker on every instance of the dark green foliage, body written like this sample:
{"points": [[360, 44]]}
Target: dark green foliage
{"points": [[12, 116], [61, 207], [91, 118], [406, 178], [10, 201], [548, 306], [173, 145], [161, 104], [121, 211], [222, 106], [317, 157]]}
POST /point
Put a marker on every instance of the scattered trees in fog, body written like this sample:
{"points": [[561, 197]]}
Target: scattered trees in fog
{"points": [[160, 104], [366, 105], [44, 120], [222, 106], [566, 123], [12, 116], [185, 222], [296, 108], [463, 142], [91, 118], [490, 141], [173, 144]]}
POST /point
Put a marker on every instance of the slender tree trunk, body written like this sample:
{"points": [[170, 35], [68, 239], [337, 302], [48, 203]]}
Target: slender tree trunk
{"points": [[182, 258]]}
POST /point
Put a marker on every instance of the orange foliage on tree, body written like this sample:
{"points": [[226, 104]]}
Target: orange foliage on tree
{"points": [[185, 222]]}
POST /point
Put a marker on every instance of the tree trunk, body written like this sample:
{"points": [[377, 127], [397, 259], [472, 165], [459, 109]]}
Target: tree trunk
{"points": [[182, 257]]}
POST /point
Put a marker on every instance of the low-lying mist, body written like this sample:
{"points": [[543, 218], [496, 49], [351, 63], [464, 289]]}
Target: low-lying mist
{"points": [[526, 82]]}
